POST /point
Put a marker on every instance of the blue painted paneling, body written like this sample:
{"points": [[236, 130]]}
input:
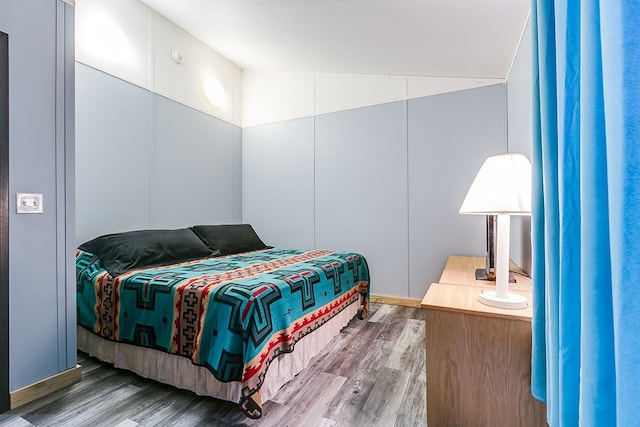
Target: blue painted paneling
{"points": [[388, 182], [236, 174], [278, 187], [519, 101], [38, 151], [450, 135], [66, 184], [144, 161], [361, 189], [4, 223], [112, 154], [192, 167]]}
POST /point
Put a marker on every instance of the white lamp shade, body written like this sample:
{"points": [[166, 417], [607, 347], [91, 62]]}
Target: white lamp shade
{"points": [[501, 187]]}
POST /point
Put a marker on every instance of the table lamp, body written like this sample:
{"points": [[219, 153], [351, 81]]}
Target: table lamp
{"points": [[502, 187]]}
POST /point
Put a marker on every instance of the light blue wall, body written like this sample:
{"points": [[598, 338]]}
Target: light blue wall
{"points": [[278, 182], [192, 167], [144, 161], [450, 136], [236, 177], [113, 152], [385, 180], [361, 189], [41, 246], [519, 92]]}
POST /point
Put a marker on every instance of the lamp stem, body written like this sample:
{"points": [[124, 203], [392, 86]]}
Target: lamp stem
{"points": [[502, 256]]}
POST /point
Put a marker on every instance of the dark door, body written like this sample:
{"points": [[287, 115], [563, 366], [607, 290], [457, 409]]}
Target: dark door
{"points": [[4, 222]]}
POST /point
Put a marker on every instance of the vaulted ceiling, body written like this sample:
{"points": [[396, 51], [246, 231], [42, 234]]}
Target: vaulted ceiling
{"points": [[439, 38]]}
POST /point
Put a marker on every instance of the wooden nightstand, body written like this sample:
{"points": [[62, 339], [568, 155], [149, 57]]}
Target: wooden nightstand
{"points": [[478, 357]]}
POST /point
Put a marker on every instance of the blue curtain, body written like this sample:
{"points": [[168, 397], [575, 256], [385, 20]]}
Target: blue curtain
{"points": [[586, 211]]}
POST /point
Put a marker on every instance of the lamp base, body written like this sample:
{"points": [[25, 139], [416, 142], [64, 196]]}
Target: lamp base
{"points": [[512, 301], [481, 274]]}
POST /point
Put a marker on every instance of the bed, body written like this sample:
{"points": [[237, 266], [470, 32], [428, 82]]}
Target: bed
{"points": [[212, 309]]}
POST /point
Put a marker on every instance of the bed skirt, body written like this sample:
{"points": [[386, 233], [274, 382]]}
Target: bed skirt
{"points": [[180, 372]]}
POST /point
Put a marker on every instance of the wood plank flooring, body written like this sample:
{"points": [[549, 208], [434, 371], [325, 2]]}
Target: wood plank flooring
{"points": [[372, 374]]}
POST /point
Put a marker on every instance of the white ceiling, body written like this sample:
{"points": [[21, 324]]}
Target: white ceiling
{"points": [[443, 38]]}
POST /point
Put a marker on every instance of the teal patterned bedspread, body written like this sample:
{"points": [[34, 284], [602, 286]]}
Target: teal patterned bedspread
{"points": [[231, 314]]}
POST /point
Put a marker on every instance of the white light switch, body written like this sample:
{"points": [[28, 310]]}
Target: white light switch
{"points": [[29, 203]]}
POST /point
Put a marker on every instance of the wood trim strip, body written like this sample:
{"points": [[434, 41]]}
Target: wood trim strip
{"points": [[405, 302], [46, 386]]}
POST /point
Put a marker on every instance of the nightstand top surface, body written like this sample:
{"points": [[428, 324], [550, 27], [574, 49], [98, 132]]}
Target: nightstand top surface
{"points": [[458, 291], [460, 270]]}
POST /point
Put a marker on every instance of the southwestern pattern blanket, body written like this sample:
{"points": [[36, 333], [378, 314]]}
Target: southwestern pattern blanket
{"points": [[232, 315]]}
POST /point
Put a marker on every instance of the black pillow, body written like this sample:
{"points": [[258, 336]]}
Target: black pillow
{"points": [[122, 252], [229, 239]]}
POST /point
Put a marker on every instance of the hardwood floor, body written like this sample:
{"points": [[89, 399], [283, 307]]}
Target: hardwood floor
{"points": [[372, 374]]}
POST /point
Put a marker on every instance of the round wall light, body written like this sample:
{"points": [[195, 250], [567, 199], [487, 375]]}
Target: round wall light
{"points": [[102, 36], [214, 92]]}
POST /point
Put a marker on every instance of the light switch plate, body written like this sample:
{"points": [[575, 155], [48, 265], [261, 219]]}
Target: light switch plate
{"points": [[29, 203]]}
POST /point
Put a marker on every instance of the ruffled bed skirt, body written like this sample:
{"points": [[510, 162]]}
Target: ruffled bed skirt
{"points": [[180, 372]]}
